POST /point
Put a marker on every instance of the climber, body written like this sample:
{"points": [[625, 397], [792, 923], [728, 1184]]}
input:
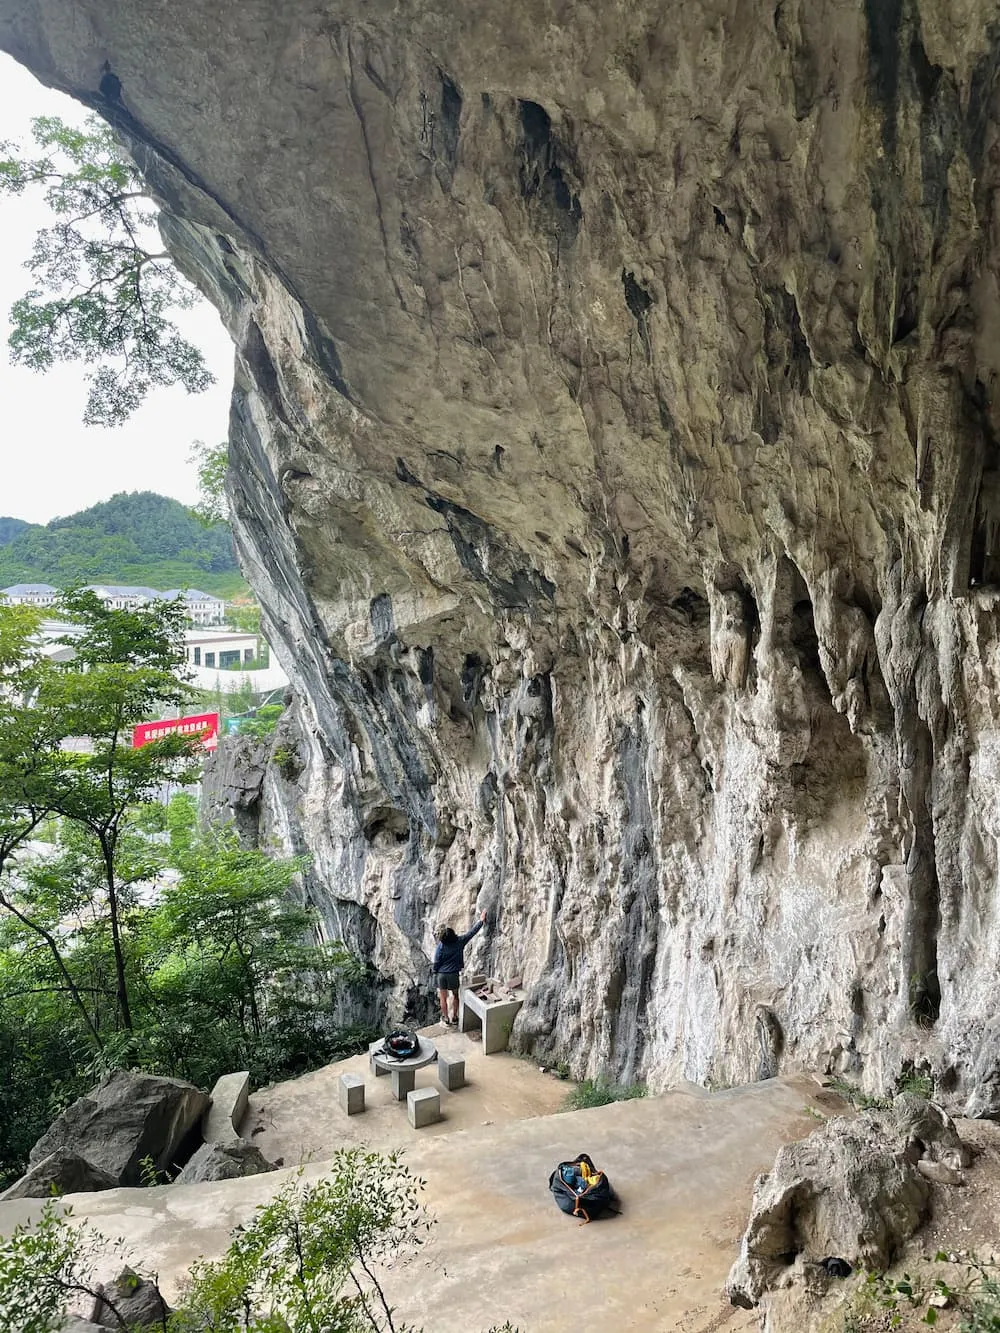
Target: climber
{"points": [[449, 959]]}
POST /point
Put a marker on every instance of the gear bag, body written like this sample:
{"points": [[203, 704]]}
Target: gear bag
{"points": [[401, 1044], [581, 1190]]}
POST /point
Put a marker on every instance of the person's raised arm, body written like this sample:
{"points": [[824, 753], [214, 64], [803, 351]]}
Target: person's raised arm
{"points": [[464, 939]]}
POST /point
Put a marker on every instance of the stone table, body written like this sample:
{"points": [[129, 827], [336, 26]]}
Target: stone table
{"points": [[403, 1071], [495, 1016]]}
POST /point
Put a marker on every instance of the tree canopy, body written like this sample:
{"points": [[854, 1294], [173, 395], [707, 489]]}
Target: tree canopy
{"points": [[136, 537], [104, 291], [107, 960]]}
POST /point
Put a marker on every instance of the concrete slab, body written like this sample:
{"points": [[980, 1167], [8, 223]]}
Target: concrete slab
{"points": [[230, 1098], [684, 1167], [300, 1120]]}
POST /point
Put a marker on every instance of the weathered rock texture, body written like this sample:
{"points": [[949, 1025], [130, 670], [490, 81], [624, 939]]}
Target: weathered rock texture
{"points": [[614, 452], [129, 1301], [60, 1172], [127, 1118], [224, 1161], [847, 1191]]}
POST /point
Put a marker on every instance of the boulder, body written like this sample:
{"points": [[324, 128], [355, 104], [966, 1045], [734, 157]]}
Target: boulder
{"points": [[927, 1134], [129, 1116], [847, 1190], [224, 1161], [130, 1300], [984, 1099], [61, 1172]]}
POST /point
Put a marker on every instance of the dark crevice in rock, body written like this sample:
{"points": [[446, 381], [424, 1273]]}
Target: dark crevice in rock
{"points": [[471, 538], [380, 613], [449, 120], [885, 19], [387, 827], [542, 170], [262, 368]]}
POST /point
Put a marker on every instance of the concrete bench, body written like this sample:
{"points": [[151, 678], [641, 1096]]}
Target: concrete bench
{"points": [[423, 1107], [377, 1070], [351, 1093], [451, 1072], [221, 1122]]}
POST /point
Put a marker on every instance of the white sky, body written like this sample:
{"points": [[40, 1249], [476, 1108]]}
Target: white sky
{"points": [[50, 462]]}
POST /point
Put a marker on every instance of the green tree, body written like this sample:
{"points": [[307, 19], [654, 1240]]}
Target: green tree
{"points": [[104, 289], [212, 464], [125, 670], [238, 975], [131, 538]]}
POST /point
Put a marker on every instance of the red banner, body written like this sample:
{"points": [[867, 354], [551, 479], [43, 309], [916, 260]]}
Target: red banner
{"points": [[204, 726]]}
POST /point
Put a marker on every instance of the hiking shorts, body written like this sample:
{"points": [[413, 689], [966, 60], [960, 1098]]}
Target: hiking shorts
{"points": [[446, 980]]}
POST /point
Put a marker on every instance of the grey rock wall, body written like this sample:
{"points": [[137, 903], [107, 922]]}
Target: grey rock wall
{"points": [[614, 453]]}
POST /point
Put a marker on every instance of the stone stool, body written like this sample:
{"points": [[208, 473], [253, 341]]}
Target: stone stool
{"points": [[451, 1072], [423, 1107], [377, 1070], [351, 1092]]}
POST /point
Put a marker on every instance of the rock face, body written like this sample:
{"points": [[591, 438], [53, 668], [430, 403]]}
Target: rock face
{"points": [[129, 1302], [615, 455], [61, 1172], [127, 1117], [845, 1192], [984, 1095], [224, 1161]]}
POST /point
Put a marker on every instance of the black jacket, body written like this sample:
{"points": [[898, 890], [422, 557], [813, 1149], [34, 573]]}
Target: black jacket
{"points": [[450, 958]]}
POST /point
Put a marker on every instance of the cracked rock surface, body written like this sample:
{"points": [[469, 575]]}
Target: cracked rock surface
{"points": [[614, 453]]}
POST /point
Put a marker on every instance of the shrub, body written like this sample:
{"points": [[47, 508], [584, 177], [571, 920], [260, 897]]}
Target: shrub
{"points": [[598, 1092]]}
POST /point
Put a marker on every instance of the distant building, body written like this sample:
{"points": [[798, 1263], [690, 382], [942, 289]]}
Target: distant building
{"points": [[31, 594], [201, 608], [220, 649]]}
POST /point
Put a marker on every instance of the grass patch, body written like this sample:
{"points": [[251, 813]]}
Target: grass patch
{"points": [[920, 1085], [598, 1092], [858, 1099]]}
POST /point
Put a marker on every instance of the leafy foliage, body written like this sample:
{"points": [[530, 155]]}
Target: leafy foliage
{"points": [[263, 721], [307, 1262], [11, 528], [104, 289], [213, 463], [42, 1267], [136, 537], [597, 1092]]}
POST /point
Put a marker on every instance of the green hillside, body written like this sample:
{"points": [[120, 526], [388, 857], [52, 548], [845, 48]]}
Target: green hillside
{"points": [[10, 528], [137, 537]]}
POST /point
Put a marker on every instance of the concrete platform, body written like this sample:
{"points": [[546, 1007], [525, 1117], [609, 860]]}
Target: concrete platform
{"points": [[301, 1120], [684, 1167]]}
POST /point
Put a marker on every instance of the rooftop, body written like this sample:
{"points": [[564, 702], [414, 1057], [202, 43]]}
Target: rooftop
{"points": [[116, 590]]}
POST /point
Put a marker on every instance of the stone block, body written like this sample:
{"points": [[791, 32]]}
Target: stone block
{"points": [[221, 1122], [423, 1107], [402, 1083], [351, 1092], [378, 1070], [451, 1072]]}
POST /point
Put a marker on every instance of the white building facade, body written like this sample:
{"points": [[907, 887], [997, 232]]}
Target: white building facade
{"points": [[200, 608]]}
